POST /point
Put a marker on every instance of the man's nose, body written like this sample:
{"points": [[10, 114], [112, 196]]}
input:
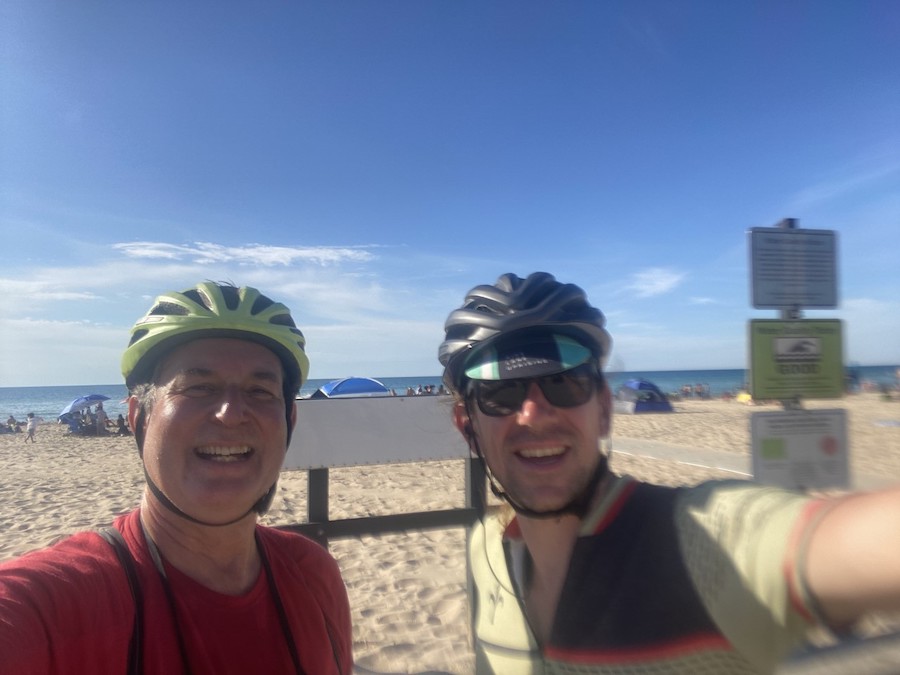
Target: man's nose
{"points": [[231, 406], [535, 408]]}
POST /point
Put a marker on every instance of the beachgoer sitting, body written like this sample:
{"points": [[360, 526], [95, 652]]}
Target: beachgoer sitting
{"points": [[121, 426]]}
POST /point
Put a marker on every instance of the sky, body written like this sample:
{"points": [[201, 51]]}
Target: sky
{"points": [[367, 163]]}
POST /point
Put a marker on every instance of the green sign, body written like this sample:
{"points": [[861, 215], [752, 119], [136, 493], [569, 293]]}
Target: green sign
{"points": [[796, 359]]}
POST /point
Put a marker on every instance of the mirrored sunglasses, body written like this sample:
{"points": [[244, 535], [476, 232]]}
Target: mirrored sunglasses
{"points": [[571, 388]]}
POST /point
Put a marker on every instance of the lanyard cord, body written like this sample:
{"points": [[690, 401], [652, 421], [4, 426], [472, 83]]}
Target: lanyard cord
{"points": [[273, 592], [282, 614]]}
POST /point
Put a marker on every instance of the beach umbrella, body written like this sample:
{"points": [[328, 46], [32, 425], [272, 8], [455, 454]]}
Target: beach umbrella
{"points": [[83, 402], [352, 387]]}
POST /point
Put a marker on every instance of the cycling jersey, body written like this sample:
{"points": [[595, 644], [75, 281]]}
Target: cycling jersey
{"points": [[661, 580]]}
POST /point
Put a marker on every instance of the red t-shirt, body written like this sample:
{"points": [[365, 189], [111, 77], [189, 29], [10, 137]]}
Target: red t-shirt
{"points": [[68, 610]]}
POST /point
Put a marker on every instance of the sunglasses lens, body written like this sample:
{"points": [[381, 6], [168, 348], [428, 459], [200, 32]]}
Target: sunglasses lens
{"points": [[498, 399], [564, 390], [567, 390]]}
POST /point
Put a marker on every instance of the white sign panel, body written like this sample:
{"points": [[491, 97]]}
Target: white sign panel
{"points": [[355, 431], [793, 268], [801, 449]]}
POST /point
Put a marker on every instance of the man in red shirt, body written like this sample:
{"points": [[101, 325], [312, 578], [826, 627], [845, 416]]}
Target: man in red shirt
{"points": [[189, 582]]}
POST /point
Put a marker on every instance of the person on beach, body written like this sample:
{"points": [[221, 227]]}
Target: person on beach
{"points": [[122, 427], [102, 419], [189, 582], [591, 572], [30, 427]]}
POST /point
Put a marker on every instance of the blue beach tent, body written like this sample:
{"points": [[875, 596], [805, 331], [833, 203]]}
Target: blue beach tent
{"points": [[349, 387], [641, 396]]}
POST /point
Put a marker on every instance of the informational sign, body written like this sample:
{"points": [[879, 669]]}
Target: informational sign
{"points": [[793, 268], [796, 359], [801, 449]]}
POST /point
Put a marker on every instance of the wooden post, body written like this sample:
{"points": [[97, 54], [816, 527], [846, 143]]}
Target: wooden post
{"points": [[317, 501]]}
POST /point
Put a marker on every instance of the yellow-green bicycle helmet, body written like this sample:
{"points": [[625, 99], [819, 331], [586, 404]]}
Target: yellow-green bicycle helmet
{"points": [[214, 310]]}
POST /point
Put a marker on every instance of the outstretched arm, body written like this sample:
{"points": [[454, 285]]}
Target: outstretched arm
{"points": [[853, 556]]}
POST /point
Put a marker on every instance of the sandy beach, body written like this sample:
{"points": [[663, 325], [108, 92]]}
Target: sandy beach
{"points": [[408, 591]]}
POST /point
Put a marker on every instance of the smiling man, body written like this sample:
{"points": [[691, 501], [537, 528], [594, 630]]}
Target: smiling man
{"points": [[591, 572], [189, 582]]}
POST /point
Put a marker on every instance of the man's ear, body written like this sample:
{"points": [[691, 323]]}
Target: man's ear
{"points": [[462, 422], [132, 411], [605, 411]]}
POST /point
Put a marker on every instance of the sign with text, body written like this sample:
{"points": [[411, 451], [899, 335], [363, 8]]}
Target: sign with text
{"points": [[800, 449], [793, 268], [796, 359]]}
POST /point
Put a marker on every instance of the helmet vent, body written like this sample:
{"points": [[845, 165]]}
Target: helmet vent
{"points": [[231, 296], [169, 309], [260, 304], [194, 295], [137, 335]]}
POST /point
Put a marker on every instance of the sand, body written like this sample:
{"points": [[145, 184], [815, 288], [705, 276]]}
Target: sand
{"points": [[408, 590]]}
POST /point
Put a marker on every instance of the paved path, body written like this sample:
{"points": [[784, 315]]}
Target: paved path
{"points": [[714, 459], [739, 464]]}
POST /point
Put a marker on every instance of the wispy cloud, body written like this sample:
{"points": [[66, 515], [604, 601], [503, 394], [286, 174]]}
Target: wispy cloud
{"points": [[42, 290], [654, 281], [204, 253], [827, 191]]}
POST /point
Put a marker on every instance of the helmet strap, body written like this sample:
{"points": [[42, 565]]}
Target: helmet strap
{"points": [[261, 506]]}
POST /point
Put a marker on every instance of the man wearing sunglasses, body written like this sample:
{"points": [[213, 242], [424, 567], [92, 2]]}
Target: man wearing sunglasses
{"points": [[591, 572]]}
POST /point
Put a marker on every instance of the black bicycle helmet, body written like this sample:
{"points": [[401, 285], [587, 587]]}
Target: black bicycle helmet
{"points": [[516, 305]]}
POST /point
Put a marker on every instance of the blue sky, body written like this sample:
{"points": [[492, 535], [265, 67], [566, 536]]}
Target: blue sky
{"points": [[368, 162]]}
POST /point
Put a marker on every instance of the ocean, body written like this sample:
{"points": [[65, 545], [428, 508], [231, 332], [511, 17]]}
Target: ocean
{"points": [[47, 402]]}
